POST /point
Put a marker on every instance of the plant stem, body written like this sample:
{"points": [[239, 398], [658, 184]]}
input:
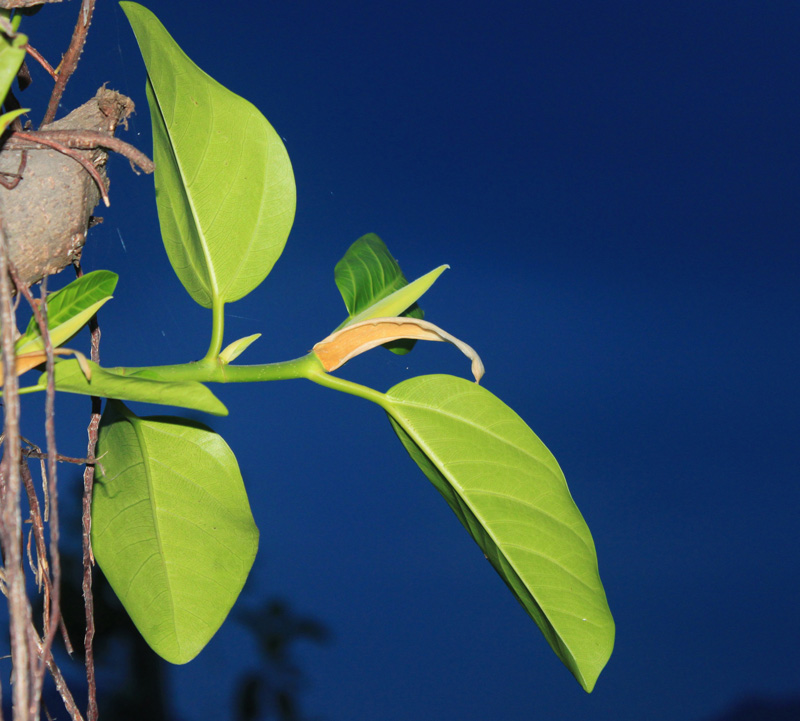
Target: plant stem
{"points": [[70, 60], [213, 370], [11, 514], [320, 376], [86, 521], [217, 328]]}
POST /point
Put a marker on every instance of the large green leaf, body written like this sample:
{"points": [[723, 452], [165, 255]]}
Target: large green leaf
{"points": [[171, 527], [373, 286], [224, 184], [69, 309], [510, 494], [107, 383]]}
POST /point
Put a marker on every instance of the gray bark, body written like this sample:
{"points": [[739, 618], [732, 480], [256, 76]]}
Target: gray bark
{"points": [[46, 216]]}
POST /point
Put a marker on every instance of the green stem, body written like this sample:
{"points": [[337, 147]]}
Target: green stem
{"points": [[217, 327], [215, 371], [320, 376]]}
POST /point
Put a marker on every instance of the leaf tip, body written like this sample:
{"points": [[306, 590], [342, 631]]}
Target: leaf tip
{"points": [[235, 349]]}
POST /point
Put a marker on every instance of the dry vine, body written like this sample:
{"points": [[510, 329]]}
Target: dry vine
{"points": [[81, 141]]}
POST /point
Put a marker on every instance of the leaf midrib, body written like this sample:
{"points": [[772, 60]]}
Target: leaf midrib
{"points": [[138, 429], [482, 429], [488, 531], [212, 276]]}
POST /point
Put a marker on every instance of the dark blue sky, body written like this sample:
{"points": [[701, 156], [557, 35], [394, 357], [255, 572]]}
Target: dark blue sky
{"points": [[615, 186]]}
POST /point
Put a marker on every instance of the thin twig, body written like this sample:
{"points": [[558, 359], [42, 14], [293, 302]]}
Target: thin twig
{"points": [[36, 55], [80, 140], [70, 60], [31, 563], [37, 526], [51, 629], [19, 607], [53, 587], [15, 177], [31, 453], [72, 154], [37, 530], [61, 684], [88, 556]]}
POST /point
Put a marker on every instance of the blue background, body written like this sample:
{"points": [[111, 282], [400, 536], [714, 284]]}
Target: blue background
{"points": [[615, 186]]}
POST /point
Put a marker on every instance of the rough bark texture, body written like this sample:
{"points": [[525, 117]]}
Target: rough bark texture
{"points": [[11, 4], [47, 214]]}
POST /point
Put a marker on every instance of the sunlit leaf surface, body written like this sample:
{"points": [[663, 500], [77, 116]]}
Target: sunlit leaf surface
{"points": [[108, 383], [12, 53], [171, 527], [510, 494], [69, 309], [224, 184]]}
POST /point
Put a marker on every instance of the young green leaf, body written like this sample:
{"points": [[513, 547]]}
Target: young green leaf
{"points": [[7, 118], [235, 349], [395, 303], [224, 184], [368, 275], [12, 53], [510, 494], [171, 527], [69, 309], [106, 383]]}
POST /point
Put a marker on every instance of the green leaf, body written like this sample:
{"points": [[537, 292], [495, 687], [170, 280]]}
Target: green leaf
{"points": [[235, 349], [396, 303], [373, 286], [7, 118], [367, 273], [224, 184], [69, 309], [510, 494], [171, 527], [107, 383], [12, 53]]}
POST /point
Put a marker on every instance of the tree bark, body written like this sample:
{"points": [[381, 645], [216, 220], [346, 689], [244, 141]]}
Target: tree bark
{"points": [[11, 4], [47, 214]]}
